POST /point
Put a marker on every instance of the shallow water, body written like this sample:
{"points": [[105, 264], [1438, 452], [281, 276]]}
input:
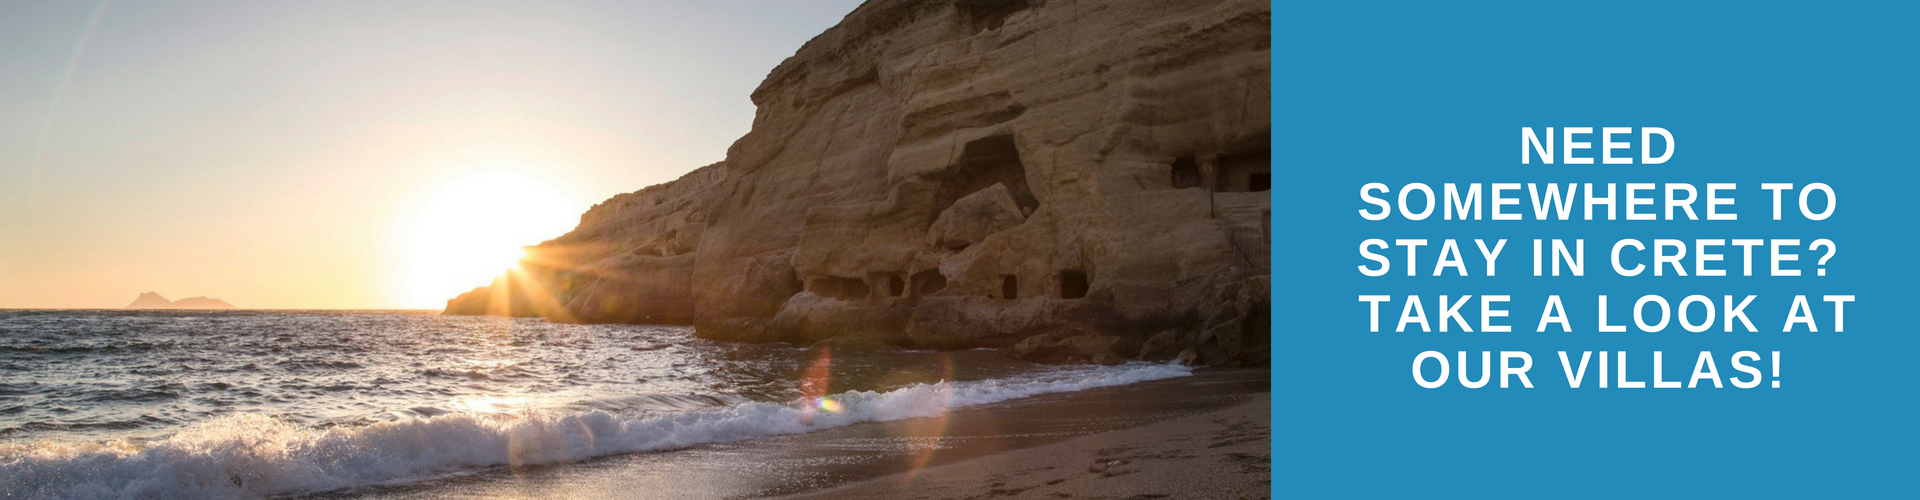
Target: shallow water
{"points": [[893, 450], [245, 404]]}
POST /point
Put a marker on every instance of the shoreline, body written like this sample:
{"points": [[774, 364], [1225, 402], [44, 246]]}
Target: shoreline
{"points": [[963, 448], [1215, 455]]}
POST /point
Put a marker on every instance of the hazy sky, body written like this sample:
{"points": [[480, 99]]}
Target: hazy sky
{"points": [[282, 154]]}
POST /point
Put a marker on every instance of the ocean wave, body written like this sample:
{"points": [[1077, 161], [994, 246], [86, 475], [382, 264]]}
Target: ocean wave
{"points": [[82, 349], [122, 424], [252, 456], [134, 394], [322, 365]]}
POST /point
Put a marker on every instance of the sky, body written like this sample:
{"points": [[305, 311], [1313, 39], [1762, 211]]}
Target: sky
{"points": [[293, 155]]}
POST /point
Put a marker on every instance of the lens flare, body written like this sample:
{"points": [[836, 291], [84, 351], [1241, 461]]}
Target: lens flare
{"points": [[814, 382], [937, 424]]}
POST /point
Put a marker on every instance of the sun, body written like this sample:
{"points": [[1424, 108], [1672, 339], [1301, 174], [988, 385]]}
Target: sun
{"points": [[474, 227]]}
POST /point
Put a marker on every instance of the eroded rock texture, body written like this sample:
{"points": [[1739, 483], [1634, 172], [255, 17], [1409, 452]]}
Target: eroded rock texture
{"points": [[956, 174]]}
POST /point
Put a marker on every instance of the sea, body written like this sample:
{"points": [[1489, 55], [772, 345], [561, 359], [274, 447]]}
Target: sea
{"points": [[104, 404]]}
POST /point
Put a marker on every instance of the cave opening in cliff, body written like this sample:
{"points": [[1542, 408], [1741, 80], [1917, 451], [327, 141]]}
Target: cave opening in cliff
{"points": [[1186, 173], [840, 288], [1073, 284], [896, 286], [1010, 287], [928, 282], [1248, 171], [983, 163], [1257, 328], [983, 15], [793, 285]]}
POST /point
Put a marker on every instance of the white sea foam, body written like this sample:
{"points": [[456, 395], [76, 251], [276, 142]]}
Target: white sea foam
{"points": [[251, 456]]}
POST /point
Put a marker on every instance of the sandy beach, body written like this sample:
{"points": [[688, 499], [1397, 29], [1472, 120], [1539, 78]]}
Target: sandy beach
{"points": [[1216, 455]]}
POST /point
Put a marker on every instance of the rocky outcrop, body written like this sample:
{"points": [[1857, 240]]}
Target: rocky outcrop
{"points": [[955, 174], [152, 300], [629, 261]]}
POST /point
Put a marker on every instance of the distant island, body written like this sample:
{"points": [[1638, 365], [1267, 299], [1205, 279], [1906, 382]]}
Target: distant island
{"points": [[151, 300]]}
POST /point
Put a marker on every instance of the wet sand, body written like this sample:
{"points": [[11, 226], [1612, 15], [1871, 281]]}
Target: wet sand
{"points": [[1218, 455], [1203, 436]]}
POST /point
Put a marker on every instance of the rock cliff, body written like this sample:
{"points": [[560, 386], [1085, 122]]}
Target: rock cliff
{"points": [[1086, 180]]}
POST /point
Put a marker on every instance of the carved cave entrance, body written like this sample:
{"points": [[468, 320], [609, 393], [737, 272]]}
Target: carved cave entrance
{"points": [[1249, 171], [840, 288], [1073, 284], [928, 282], [985, 162], [1186, 173], [896, 286]]}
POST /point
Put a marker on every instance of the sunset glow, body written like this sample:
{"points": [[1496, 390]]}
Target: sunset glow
{"points": [[475, 227]]}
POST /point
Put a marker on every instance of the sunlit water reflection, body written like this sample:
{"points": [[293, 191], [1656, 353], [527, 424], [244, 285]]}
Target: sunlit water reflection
{"points": [[247, 403]]}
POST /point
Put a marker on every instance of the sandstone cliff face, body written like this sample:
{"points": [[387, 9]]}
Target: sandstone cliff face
{"points": [[956, 174], [630, 261]]}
